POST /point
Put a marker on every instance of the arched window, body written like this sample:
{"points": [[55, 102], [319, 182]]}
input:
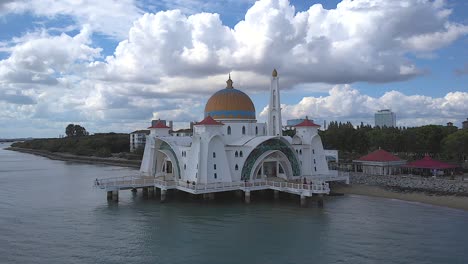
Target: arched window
{"points": [[237, 167], [296, 151], [313, 151], [214, 154], [300, 152], [256, 130], [315, 168], [229, 130], [236, 154], [185, 166], [241, 154], [215, 176], [214, 166], [314, 161], [243, 130]]}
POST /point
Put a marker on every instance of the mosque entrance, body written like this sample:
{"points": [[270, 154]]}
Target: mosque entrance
{"points": [[274, 165]]}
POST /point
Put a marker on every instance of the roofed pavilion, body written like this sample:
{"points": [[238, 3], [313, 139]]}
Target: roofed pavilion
{"points": [[379, 162]]}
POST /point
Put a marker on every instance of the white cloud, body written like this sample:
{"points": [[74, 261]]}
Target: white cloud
{"points": [[112, 18], [347, 103]]}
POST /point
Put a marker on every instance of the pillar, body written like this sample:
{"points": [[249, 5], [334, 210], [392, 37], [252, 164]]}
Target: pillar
{"points": [[163, 195], [238, 193], [206, 196], [109, 195], [151, 192], [303, 200], [276, 194], [115, 195], [247, 197], [145, 191], [212, 196], [320, 201]]}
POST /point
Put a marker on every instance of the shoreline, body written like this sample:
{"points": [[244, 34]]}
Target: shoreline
{"points": [[450, 201], [81, 159]]}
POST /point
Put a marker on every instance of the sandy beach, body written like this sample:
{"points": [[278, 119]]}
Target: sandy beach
{"points": [[457, 202]]}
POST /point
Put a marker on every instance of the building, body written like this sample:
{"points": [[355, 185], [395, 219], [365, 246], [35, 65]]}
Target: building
{"points": [[229, 150], [385, 118], [379, 162], [138, 139], [465, 124], [294, 122], [229, 145]]}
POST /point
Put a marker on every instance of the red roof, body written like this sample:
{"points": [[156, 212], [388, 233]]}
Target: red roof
{"points": [[379, 155], [428, 163], [307, 123], [159, 124], [209, 121]]}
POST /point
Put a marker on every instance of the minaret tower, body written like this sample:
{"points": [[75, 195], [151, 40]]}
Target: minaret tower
{"points": [[274, 108]]}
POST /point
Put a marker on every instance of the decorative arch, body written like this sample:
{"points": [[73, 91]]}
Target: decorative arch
{"points": [[163, 147], [273, 144]]}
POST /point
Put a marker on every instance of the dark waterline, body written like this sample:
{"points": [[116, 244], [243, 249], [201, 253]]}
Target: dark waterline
{"points": [[49, 213]]}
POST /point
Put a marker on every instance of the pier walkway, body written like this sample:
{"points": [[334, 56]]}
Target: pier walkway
{"points": [[318, 185]]}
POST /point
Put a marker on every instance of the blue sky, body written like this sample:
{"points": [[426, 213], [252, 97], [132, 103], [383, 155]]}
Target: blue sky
{"points": [[115, 66]]}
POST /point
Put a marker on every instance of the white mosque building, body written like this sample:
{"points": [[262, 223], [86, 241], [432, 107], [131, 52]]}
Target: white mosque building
{"points": [[229, 150], [229, 145]]}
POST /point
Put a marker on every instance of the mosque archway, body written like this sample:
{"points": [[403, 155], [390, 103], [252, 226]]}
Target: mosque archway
{"points": [[166, 165], [273, 150]]}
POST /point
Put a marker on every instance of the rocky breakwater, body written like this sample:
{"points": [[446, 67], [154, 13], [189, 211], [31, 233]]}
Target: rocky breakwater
{"points": [[409, 183]]}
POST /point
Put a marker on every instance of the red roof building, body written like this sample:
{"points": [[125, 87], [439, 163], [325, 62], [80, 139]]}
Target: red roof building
{"points": [[428, 163], [209, 121], [307, 123], [379, 162], [159, 124]]}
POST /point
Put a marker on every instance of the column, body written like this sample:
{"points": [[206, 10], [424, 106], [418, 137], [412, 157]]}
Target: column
{"points": [[151, 192], [276, 194], [163, 195], [320, 201], [145, 191], [303, 200], [247, 197], [109, 195], [115, 195]]}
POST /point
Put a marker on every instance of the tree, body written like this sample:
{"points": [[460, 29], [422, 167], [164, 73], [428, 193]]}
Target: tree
{"points": [[455, 145], [75, 131]]}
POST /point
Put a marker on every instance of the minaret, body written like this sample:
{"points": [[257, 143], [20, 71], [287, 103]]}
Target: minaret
{"points": [[274, 108]]}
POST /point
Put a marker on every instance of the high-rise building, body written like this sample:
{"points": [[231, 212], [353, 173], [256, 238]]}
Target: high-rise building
{"points": [[386, 118]]}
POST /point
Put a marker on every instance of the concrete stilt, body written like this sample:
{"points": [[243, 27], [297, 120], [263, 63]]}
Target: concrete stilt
{"points": [[206, 196], [238, 193], [157, 191], [109, 195], [276, 194], [247, 197], [320, 201], [303, 200], [145, 191], [150, 192], [115, 196], [211, 196], [163, 195]]}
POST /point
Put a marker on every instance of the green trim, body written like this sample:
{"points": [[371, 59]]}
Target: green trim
{"points": [[165, 146], [271, 144]]}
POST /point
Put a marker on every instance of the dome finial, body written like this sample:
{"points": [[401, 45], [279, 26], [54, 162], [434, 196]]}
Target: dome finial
{"points": [[229, 82], [274, 73]]}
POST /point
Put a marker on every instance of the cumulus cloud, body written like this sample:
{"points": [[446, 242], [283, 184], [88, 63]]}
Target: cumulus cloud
{"points": [[112, 18], [347, 103], [358, 41]]}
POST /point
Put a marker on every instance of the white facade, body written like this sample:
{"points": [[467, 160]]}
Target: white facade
{"points": [[385, 118], [229, 149]]}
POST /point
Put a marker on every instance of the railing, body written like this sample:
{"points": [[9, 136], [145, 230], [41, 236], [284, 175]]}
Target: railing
{"points": [[138, 181]]}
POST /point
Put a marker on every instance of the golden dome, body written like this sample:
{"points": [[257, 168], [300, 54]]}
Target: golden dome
{"points": [[274, 73], [230, 103]]}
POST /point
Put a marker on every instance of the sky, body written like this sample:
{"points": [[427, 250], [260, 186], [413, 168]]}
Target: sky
{"points": [[112, 66]]}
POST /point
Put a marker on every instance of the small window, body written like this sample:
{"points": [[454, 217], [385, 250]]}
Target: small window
{"points": [[297, 151], [185, 166], [314, 161], [196, 175], [197, 166], [256, 130], [214, 166], [280, 169], [243, 130], [313, 151], [237, 167], [216, 176], [241, 154], [229, 130], [236, 154], [315, 168], [214, 154], [300, 152]]}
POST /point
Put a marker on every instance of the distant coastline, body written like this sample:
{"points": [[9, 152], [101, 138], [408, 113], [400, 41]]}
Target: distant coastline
{"points": [[83, 159]]}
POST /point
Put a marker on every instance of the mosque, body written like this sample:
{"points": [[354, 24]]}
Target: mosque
{"points": [[229, 145], [230, 150]]}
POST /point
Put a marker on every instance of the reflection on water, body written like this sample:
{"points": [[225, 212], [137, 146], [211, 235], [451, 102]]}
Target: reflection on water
{"points": [[50, 213]]}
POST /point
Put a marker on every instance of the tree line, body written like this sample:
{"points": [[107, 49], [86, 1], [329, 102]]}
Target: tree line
{"points": [[443, 142]]}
